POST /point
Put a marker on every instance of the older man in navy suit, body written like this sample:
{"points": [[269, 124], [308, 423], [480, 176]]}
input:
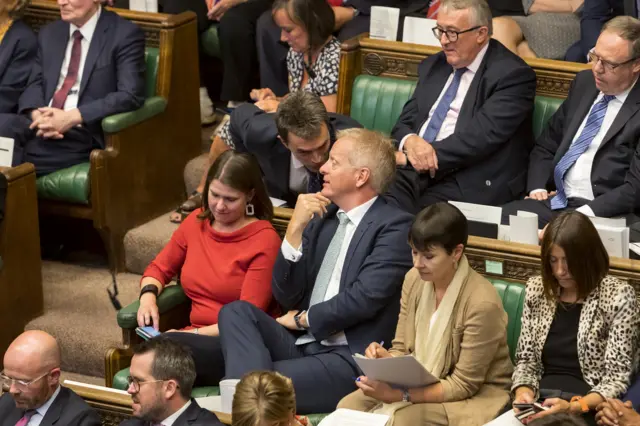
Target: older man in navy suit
{"points": [[338, 276], [90, 65]]}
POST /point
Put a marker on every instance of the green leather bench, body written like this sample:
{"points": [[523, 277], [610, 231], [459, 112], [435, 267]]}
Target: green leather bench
{"points": [[511, 293], [210, 42]]}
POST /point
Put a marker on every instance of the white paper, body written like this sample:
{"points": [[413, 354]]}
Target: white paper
{"points": [[504, 233], [507, 419], [345, 417], [616, 222], [6, 152], [95, 387], [384, 23], [152, 6], [615, 240], [419, 31], [400, 371], [479, 212], [227, 392], [277, 202], [524, 228], [211, 403]]}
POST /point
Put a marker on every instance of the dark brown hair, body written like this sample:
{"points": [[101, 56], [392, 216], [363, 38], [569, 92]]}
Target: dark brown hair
{"points": [[559, 419], [587, 259], [439, 225], [241, 172], [314, 16], [303, 114]]}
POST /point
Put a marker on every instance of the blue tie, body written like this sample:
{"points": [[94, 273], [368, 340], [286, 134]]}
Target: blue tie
{"points": [[577, 148], [433, 128]]}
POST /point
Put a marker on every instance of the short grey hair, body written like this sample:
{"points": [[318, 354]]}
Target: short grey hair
{"points": [[628, 28], [374, 151], [480, 11]]}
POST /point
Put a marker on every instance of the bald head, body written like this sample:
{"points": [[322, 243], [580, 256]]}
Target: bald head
{"points": [[35, 348]]}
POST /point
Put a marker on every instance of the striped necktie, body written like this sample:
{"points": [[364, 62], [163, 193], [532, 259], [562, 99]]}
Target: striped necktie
{"points": [[577, 148], [24, 420], [433, 128]]}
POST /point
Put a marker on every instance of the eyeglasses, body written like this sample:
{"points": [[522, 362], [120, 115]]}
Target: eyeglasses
{"points": [[136, 383], [452, 35], [6, 382], [607, 65]]}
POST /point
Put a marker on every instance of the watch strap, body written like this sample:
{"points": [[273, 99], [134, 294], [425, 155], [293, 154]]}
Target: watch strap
{"points": [[406, 396], [296, 318], [149, 288], [583, 405]]}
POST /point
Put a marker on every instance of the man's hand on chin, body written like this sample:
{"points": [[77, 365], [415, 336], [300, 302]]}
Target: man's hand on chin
{"points": [[53, 123]]}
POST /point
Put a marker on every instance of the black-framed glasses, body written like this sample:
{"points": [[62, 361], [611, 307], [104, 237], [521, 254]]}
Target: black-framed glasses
{"points": [[136, 383], [607, 65], [452, 35], [6, 381]]}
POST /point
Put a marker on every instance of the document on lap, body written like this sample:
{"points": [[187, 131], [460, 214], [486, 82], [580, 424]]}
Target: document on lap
{"points": [[401, 371], [346, 417]]}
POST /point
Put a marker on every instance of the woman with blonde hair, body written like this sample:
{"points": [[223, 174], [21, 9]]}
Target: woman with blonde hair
{"points": [[265, 398]]}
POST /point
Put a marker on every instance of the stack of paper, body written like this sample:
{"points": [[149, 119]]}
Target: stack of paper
{"points": [[482, 214], [144, 5], [384, 23], [419, 31], [400, 371], [344, 417], [523, 228], [614, 235], [6, 152]]}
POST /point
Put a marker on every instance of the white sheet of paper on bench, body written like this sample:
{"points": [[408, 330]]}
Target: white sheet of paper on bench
{"points": [[400, 371], [479, 212], [345, 417], [419, 31], [73, 383], [138, 5], [277, 202], [523, 228], [211, 403], [615, 240], [6, 152], [152, 6], [615, 222], [384, 23]]}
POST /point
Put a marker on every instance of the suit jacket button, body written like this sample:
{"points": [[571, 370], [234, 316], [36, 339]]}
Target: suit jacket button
{"points": [[488, 183]]}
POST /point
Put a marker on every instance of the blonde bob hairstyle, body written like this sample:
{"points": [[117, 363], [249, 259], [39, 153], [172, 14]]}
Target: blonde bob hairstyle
{"points": [[263, 398]]}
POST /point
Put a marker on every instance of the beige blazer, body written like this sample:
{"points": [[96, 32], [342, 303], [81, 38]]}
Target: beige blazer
{"points": [[477, 380]]}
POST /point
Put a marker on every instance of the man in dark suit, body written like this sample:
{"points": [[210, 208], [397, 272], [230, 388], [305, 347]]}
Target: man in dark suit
{"points": [[162, 376], [588, 158], [290, 145], [35, 397], [465, 134], [90, 65], [17, 55], [338, 277]]}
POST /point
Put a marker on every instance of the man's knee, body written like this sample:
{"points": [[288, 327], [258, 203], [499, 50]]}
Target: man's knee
{"points": [[234, 24], [266, 26], [234, 310]]}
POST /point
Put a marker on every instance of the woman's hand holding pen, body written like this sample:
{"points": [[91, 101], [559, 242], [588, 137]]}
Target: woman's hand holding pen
{"points": [[376, 350]]}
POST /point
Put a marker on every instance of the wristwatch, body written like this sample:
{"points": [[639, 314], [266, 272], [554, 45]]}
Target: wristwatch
{"points": [[296, 318], [149, 288], [583, 405], [406, 396]]}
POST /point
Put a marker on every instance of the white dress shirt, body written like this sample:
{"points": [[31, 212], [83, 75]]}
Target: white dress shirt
{"points": [[169, 421], [37, 417], [450, 120], [87, 31], [298, 176], [292, 254], [577, 180]]}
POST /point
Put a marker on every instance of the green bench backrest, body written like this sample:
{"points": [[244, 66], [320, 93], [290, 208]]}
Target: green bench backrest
{"points": [[512, 295], [376, 102], [152, 58]]}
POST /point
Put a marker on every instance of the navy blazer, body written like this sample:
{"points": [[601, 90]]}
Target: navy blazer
{"points": [[113, 74], [368, 304], [194, 415], [489, 149], [615, 173], [255, 131], [17, 56], [67, 409]]}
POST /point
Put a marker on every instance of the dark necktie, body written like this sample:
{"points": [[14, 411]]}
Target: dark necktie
{"points": [[314, 183], [577, 148], [433, 128], [24, 420], [60, 97]]}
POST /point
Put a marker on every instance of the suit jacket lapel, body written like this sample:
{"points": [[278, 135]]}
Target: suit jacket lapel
{"points": [[57, 54], [5, 52], [467, 108], [55, 410], [440, 72], [630, 107], [281, 167], [100, 37], [590, 94]]}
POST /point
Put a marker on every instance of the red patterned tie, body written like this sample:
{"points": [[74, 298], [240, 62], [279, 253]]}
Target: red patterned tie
{"points": [[26, 417], [60, 96], [432, 13]]}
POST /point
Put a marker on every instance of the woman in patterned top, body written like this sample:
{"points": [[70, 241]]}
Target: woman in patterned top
{"points": [[312, 65], [579, 339]]}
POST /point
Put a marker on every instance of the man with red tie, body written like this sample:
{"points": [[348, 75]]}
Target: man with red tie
{"points": [[90, 65], [34, 395]]}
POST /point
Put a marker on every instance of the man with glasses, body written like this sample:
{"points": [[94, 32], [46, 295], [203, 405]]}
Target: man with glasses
{"points": [[31, 380], [162, 375], [465, 134], [587, 159]]}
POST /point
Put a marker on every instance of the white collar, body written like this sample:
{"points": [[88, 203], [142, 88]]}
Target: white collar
{"points": [[89, 27], [620, 96], [297, 164], [473, 66], [42, 410], [356, 214], [169, 421]]}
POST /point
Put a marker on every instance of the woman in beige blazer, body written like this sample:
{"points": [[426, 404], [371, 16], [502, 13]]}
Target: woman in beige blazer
{"points": [[452, 321]]}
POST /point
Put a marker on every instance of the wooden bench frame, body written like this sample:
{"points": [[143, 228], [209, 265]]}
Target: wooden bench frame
{"points": [[139, 174], [21, 275]]}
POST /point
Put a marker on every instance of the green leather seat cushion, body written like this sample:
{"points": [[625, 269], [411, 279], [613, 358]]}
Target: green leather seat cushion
{"points": [[210, 42], [70, 185], [171, 296], [543, 109]]}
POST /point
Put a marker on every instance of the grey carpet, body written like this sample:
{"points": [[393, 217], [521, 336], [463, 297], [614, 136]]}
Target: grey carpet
{"points": [[142, 244]]}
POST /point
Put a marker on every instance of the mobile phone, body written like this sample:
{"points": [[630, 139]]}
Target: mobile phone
{"points": [[537, 407], [523, 405], [524, 414], [147, 332]]}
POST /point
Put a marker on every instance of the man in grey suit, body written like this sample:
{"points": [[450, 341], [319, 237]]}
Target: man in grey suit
{"points": [[162, 375], [35, 397]]}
